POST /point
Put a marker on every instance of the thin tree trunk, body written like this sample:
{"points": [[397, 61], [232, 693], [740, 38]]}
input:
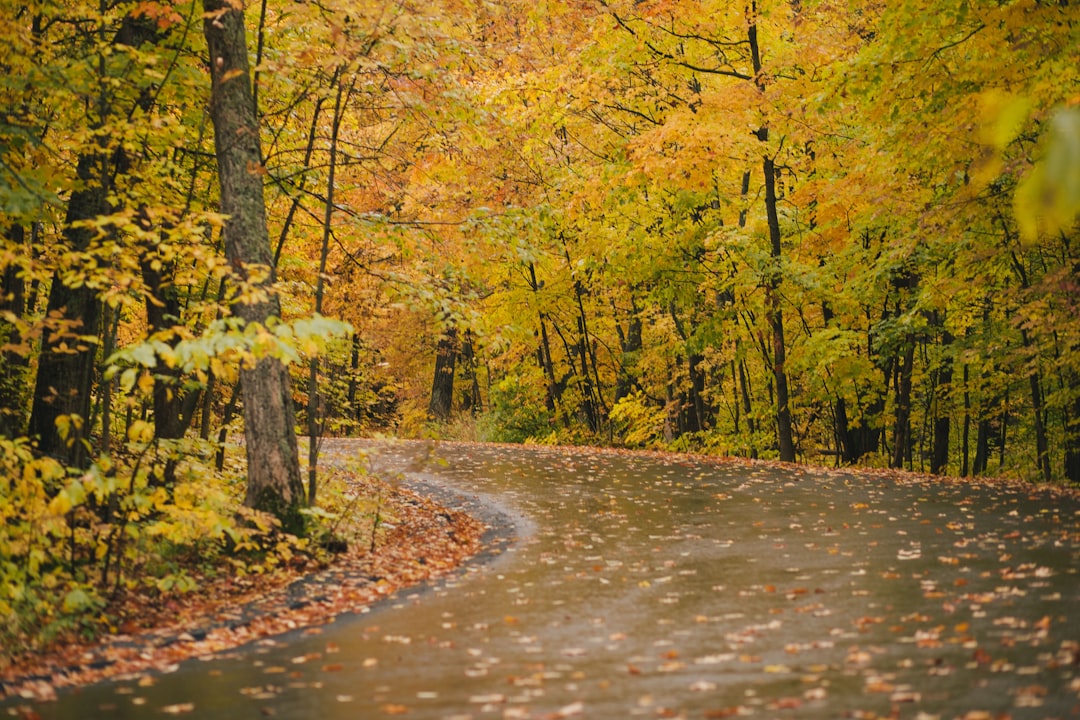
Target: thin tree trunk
{"points": [[162, 311], [982, 447], [774, 313], [776, 319], [354, 371], [966, 433], [471, 401], [1072, 437], [314, 409], [939, 462], [736, 408], [286, 226], [273, 482], [1042, 449], [553, 393], [630, 344], [1003, 435], [751, 425], [13, 365], [587, 390], [694, 412], [226, 418], [112, 323], [902, 430]]}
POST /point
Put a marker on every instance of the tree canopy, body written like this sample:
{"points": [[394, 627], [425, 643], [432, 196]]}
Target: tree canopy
{"points": [[818, 231]]}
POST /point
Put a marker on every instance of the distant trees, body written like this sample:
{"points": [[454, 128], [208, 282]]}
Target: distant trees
{"points": [[754, 229]]}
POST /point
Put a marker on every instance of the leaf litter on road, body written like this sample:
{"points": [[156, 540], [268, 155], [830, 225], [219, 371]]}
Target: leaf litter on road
{"points": [[668, 586]]}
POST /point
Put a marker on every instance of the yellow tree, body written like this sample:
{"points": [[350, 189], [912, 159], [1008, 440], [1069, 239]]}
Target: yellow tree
{"points": [[738, 105], [951, 100]]}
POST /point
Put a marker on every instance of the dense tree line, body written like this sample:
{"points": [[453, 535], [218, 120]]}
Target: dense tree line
{"points": [[818, 231], [822, 231]]}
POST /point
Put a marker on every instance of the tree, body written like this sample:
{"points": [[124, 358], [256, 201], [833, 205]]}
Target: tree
{"points": [[60, 418], [274, 484]]}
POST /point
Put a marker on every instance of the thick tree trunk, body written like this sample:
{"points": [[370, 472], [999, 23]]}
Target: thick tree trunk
{"points": [[442, 384], [66, 366], [273, 483]]}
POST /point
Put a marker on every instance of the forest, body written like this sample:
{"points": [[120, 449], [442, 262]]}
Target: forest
{"points": [[836, 232]]}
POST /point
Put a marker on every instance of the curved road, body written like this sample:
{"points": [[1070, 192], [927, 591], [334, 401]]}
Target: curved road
{"points": [[641, 586]]}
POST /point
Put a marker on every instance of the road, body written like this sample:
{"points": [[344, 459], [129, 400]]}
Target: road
{"points": [[649, 586]]}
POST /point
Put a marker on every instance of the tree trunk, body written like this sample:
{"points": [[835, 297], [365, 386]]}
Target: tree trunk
{"points": [[1072, 437], [13, 364], [939, 461], [595, 411], [982, 447], [965, 436], [700, 408], [630, 344], [273, 483], [315, 405], [162, 312], [694, 413], [902, 430], [1042, 449], [471, 400], [751, 425], [1042, 446], [442, 385], [775, 314], [66, 366], [554, 390], [354, 373]]}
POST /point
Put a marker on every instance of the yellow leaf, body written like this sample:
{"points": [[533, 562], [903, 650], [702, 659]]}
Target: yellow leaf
{"points": [[146, 383], [140, 431], [61, 504], [1003, 116]]}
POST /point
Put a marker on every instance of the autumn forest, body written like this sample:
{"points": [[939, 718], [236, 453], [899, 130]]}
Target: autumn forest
{"points": [[835, 232]]}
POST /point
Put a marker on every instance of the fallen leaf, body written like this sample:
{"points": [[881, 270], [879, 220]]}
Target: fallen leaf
{"points": [[178, 709]]}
